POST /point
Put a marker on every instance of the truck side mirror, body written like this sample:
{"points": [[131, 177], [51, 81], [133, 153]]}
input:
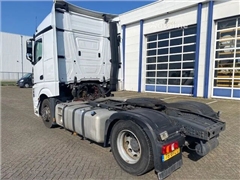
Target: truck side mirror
{"points": [[29, 49]]}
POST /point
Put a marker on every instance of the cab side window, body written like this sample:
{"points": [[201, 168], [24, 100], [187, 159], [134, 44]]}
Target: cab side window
{"points": [[38, 51]]}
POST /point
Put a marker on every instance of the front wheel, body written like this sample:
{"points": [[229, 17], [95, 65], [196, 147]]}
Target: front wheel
{"points": [[131, 147], [26, 85], [46, 114]]}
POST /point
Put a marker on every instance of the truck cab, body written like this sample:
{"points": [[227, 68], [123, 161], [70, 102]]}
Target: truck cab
{"points": [[75, 55]]}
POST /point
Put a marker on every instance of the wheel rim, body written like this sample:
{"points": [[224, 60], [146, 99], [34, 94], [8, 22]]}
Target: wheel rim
{"points": [[129, 146], [27, 85], [46, 114]]}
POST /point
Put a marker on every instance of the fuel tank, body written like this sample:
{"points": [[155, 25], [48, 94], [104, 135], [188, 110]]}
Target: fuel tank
{"points": [[83, 119]]}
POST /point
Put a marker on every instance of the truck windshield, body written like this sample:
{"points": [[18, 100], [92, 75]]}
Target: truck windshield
{"points": [[38, 51]]}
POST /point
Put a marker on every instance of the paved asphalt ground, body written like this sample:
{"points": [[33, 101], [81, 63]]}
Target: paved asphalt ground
{"points": [[31, 151]]}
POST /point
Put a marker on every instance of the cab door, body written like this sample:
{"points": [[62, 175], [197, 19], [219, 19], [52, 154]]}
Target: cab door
{"points": [[38, 60]]}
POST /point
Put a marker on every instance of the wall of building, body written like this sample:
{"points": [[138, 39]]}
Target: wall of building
{"points": [[164, 23], [13, 56], [155, 9], [165, 16], [132, 56], [226, 8], [162, 20], [225, 76]]}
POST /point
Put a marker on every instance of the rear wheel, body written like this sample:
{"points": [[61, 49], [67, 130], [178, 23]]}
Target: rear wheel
{"points": [[131, 147], [46, 114]]}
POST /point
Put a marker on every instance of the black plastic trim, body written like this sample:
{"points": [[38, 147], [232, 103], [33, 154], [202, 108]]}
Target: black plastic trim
{"points": [[59, 11], [60, 56], [62, 6], [59, 29], [44, 30], [115, 64]]}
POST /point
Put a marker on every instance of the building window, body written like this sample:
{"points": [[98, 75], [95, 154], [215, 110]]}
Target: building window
{"points": [[170, 58], [227, 55]]}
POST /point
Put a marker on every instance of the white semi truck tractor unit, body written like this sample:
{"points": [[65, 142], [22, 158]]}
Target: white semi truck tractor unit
{"points": [[75, 58]]}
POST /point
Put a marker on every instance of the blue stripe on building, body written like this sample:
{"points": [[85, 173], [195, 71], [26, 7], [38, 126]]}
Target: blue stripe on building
{"points": [[208, 48], [140, 57], [123, 52], [199, 21]]}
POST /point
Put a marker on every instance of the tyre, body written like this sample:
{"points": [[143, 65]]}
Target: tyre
{"points": [[26, 85], [131, 147], [46, 114]]}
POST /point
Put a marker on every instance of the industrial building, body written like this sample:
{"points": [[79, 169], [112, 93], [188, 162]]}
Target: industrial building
{"points": [[13, 56], [183, 47], [177, 47]]}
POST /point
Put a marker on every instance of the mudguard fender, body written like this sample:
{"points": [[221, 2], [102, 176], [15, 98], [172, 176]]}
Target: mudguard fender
{"points": [[45, 91]]}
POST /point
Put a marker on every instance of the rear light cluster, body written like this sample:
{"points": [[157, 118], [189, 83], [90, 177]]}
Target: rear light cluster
{"points": [[170, 147]]}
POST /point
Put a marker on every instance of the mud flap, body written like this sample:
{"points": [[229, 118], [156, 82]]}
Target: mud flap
{"points": [[168, 171]]}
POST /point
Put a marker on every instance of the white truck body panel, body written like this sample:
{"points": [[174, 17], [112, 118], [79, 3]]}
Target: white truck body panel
{"points": [[83, 47]]}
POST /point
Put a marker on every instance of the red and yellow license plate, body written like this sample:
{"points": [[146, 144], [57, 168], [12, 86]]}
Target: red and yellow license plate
{"points": [[170, 155]]}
